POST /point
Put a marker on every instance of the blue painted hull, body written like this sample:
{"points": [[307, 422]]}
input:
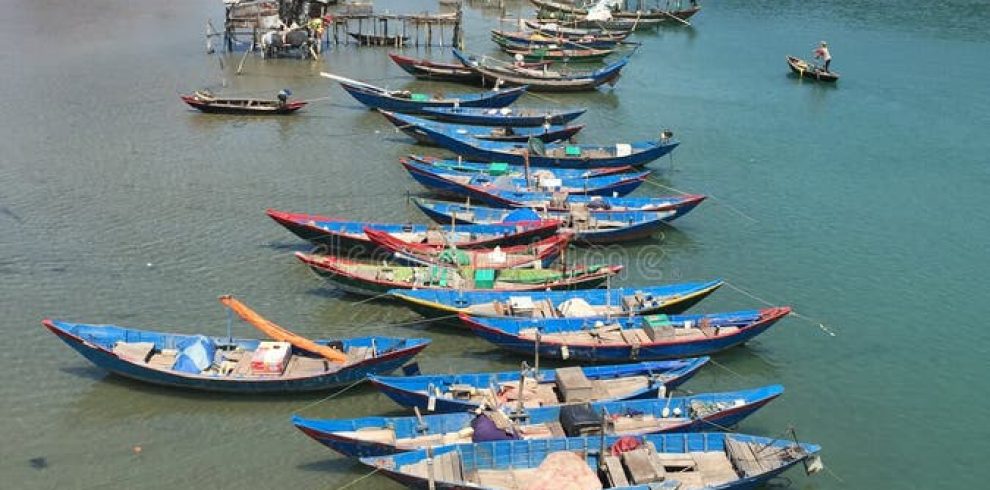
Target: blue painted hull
{"points": [[103, 357], [412, 391], [523, 454], [380, 100], [503, 332], [637, 225], [340, 436], [547, 134], [513, 118], [673, 298], [605, 186], [492, 151]]}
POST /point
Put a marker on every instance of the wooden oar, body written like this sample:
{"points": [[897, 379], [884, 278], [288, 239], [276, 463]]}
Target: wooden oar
{"points": [[678, 19], [278, 333]]}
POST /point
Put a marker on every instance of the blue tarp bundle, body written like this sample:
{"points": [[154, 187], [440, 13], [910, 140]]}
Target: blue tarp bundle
{"points": [[195, 355], [521, 214]]}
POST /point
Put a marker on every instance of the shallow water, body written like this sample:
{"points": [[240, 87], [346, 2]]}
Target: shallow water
{"points": [[861, 205]]}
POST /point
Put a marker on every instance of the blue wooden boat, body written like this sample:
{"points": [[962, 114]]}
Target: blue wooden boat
{"points": [[634, 154], [588, 228], [651, 462], [374, 278], [507, 191], [223, 364], [349, 239], [587, 41], [504, 116], [496, 73], [406, 101], [381, 436], [672, 298], [468, 391], [411, 126], [516, 171], [626, 338]]}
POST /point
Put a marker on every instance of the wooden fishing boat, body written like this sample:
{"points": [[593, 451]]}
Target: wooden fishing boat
{"points": [[686, 461], [372, 278], [563, 386], [537, 53], [678, 16], [254, 107], [516, 171], [349, 239], [589, 228], [583, 22], [227, 364], [544, 80], [553, 155], [487, 188], [444, 72], [381, 436], [671, 298], [629, 338], [503, 116], [378, 39], [542, 253], [411, 126], [594, 194], [804, 69], [555, 29], [590, 41], [406, 101]]}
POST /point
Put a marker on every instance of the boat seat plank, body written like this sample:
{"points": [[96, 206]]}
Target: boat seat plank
{"points": [[134, 351], [643, 466], [614, 471]]}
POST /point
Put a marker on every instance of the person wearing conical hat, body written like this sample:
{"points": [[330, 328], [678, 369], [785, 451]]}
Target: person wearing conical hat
{"points": [[821, 52]]}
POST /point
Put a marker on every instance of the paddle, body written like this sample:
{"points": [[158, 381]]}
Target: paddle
{"points": [[350, 81], [678, 19]]}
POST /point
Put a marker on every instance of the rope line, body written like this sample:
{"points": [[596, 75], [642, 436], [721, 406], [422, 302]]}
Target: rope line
{"points": [[376, 470], [331, 396], [820, 324]]}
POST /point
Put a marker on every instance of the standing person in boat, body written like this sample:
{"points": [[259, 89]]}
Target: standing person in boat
{"points": [[822, 53]]}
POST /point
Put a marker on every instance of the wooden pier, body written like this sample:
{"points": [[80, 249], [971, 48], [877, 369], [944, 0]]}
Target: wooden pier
{"points": [[425, 29]]}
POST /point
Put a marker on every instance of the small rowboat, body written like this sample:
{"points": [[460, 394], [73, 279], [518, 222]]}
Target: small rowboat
{"points": [[226, 364], [348, 237], [672, 298], [678, 16], [468, 391], [515, 171], [625, 339], [548, 134], [381, 436], [542, 253], [597, 228], [254, 107], [686, 461], [410, 102], [488, 189], [503, 116], [804, 69], [378, 39], [372, 278]]}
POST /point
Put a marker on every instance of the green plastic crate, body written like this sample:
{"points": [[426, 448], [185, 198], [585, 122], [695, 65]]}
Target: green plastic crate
{"points": [[572, 151], [657, 320], [484, 278], [419, 97], [498, 168]]}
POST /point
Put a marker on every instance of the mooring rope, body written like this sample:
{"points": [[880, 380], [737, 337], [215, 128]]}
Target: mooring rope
{"points": [[330, 396], [710, 196], [813, 321], [372, 472]]}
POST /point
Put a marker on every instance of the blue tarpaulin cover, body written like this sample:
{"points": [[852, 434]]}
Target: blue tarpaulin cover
{"points": [[523, 214], [195, 355]]}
